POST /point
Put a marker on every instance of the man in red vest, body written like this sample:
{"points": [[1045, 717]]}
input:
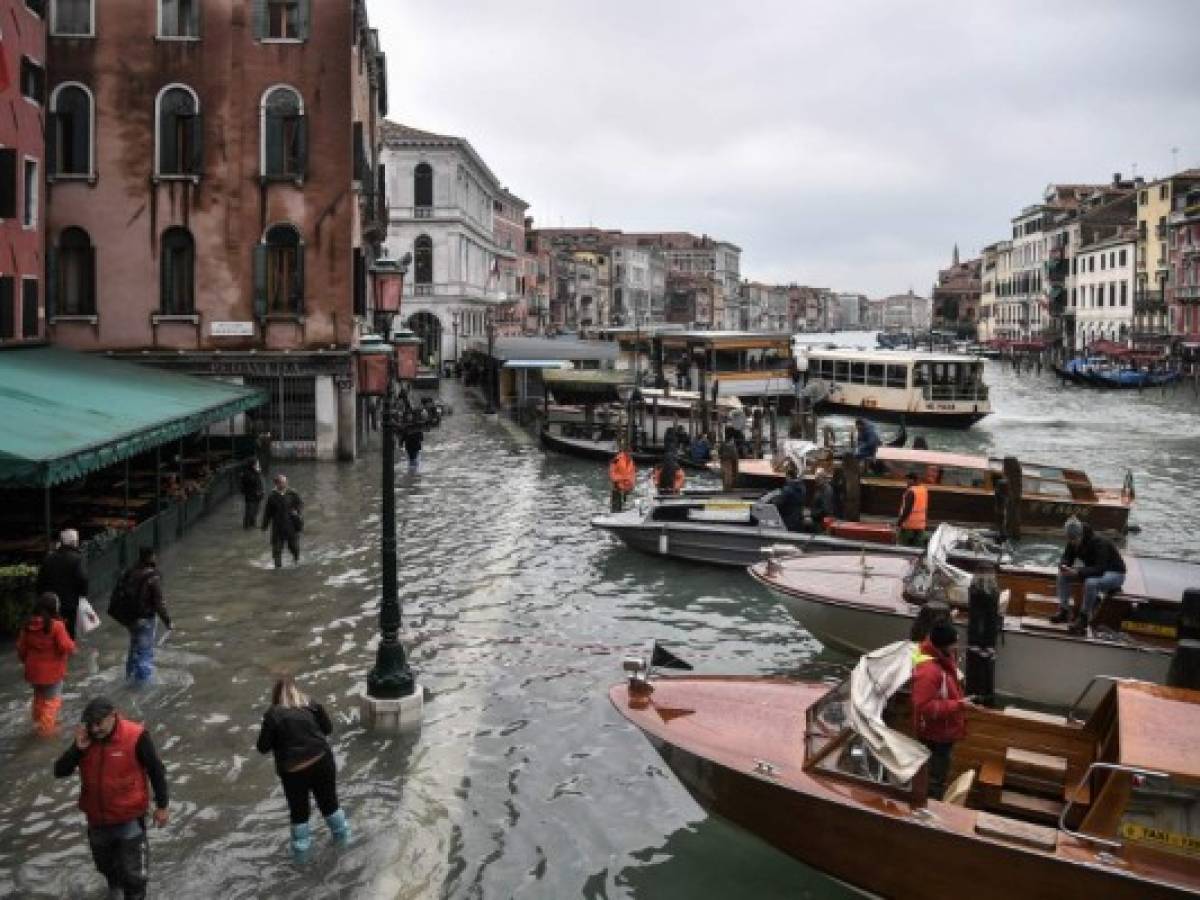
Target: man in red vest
{"points": [[115, 757]]}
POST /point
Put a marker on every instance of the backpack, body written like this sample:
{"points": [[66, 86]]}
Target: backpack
{"points": [[125, 602]]}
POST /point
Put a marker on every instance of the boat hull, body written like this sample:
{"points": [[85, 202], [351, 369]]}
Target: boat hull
{"points": [[919, 419], [1044, 667]]}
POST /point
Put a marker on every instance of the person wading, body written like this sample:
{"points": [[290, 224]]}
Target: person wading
{"points": [[137, 601], [914, 510], [939, 707], [622, 473], [64, 574], [414, 440], [252, 492], [43, 647], [284, 516], [115, 757], [295, 730]]}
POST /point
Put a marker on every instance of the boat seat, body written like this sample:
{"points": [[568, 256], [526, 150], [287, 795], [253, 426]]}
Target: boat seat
{"points": [[1034, 716], [960, 789], [1040, 605], [1011, 830], [1030, 806]]}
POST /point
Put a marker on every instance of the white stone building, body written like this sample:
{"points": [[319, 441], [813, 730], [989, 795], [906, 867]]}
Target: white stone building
{"points": [[639, 284], [1102, 290], [442, 201]]}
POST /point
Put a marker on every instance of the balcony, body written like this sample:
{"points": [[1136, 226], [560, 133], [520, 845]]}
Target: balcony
{"points": [[422, 212], [1187, 293], [1160, 231]]}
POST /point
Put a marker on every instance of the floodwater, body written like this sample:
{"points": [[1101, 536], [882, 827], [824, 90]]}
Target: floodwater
{"points": [[524, 782]]}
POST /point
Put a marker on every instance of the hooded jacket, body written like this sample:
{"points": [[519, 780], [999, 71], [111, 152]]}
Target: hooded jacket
{"points": [[44, 653], [937, 697]]}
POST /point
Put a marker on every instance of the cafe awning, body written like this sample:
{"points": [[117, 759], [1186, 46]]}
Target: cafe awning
{"points": [[65, 414]]}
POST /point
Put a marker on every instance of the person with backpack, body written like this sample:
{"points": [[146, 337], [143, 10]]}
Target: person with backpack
{"points": [[43, 647], [136, 602], [284, 515], [295, 729]]}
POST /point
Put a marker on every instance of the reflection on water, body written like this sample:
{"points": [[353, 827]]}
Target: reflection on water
{"points": [[524, 782]]}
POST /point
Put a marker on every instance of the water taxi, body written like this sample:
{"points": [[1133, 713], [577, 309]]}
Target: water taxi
{"points": [[939, 390], [1040, 807]]}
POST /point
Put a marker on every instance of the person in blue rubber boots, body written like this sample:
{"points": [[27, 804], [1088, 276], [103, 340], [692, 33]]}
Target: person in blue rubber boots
{"points": [[295, 730]]}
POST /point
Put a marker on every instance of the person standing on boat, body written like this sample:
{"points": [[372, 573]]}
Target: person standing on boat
{"points": [[867, 440], [728, 453], [790, 501], [939, 706], [699, 450], [1092, 559], [623, 474], [668, 476], [914, 510]]}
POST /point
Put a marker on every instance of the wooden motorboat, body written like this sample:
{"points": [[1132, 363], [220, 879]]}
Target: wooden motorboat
{"points": [[855, 603], [962, 490], [734, 529], [1043, 809]]}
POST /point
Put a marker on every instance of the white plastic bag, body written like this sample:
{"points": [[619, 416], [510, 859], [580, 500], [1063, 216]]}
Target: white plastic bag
{"points": [[86, 620]]}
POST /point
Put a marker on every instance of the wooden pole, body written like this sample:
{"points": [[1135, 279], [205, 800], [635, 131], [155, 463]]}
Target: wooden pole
{"points": [[654, 421], [853, 503], [1012, 516], [774, 429]]}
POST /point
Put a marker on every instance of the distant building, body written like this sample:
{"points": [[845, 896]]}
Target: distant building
{"points": [[639, 285], [23, 101], [465, 232], [691, 300], [1163, 312], [854, 310], [904, 312], [995, 277], [1184, 291], [956, 296], [1103, 290]]}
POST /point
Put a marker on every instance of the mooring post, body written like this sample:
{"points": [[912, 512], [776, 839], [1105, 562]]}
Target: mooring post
{"points": [[1012, 515], [853, 503]]}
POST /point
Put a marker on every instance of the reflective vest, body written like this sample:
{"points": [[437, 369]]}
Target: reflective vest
{"points": [[114, 782], [622, 473], [916, 518]]}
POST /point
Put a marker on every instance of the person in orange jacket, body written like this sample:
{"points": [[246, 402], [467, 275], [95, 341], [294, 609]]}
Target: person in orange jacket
{"points": [[43, 646], [623, 475]]}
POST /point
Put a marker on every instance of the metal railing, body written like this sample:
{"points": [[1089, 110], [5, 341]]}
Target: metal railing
{"points": [[1087, 776], [1096, 679]]}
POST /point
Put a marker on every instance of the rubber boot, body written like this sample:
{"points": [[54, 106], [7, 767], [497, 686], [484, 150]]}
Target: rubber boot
{"points": [[301, 842], [35, 712], [339, 827]]}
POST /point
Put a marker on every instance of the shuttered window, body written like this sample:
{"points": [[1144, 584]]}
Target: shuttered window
{"points": [[281, 20], [8, 183], [177, 269], [7, 321], [29, 308], [180, 133], [285, 135]]}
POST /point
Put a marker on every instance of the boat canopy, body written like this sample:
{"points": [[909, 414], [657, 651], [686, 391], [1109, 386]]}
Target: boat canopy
{"points": [[878, 675]]}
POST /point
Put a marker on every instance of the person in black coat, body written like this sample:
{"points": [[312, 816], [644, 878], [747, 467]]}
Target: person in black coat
{"points": [[295, 729], [253, 490], [283, 514], [414, 440], [790, 501], [64, 574]]}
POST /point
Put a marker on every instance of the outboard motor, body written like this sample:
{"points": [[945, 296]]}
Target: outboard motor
{"points": [[1185, 664], [983, 632]]}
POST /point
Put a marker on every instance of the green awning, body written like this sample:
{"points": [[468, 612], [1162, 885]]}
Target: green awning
{"points": [[64, 414]]}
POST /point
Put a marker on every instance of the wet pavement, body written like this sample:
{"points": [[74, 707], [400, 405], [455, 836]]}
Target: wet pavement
{"points": [[523, 782]]}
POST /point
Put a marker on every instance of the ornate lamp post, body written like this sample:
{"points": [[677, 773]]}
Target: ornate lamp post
{"points": [[491, 364], [393, 700], [456, 320]]}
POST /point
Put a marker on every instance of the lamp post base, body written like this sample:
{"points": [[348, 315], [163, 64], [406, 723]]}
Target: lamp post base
{"points": [[399, 716]]}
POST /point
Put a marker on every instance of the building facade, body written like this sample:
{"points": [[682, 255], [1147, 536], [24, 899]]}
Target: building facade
{"points": [[214, 195], [1184, 282], [956, 296], [1103, 290], [904, 312], [443, 207], [23, 98], [1156, 302], [639, 285]]}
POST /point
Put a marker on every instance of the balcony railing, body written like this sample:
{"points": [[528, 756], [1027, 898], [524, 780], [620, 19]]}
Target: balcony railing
{"points": [[457, 290], [1160, 230], [1187, 292]]}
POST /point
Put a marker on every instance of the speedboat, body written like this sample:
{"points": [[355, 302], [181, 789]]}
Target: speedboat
{"points": [[1040, 807], [855, 603]]}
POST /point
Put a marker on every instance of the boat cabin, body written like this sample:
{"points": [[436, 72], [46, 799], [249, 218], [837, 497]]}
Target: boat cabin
{"points": [[747, 365], [960, 470], [1125, 782]]}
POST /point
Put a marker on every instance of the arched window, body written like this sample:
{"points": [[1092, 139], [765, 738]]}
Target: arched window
{"points": [[70, 131], [284, 134], [423, 185], [423, 260], [71, 275], [177, 263], [180, 150], [279, 273]]}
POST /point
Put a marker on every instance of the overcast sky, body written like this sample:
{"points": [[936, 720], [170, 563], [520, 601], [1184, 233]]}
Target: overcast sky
{"points": [[840, 144]]}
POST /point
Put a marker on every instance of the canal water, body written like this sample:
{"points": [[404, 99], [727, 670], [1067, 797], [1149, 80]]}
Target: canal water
{"points": [[524, 782]]}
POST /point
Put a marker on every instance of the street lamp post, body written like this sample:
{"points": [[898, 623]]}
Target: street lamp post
{"points": [[491, 364], [456, 320], [393, 700]]}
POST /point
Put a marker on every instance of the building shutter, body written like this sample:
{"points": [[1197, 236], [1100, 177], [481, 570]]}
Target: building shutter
{"points": [[53, 127], [360, 282], [196, 124], [301, 146], [7, 318], [298, 282], [89, 289], [260, 281], [258, 18], [303, 19], [8, 183], [167, 302], [274, 142], [51, 282]]}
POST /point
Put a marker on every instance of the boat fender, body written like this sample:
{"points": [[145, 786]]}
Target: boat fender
{"points": [[663, 542]]}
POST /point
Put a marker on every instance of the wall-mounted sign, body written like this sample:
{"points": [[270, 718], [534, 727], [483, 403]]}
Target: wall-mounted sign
{"points": [[231, 329]]}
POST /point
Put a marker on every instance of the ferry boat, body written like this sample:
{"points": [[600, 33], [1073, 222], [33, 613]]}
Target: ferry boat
{"points": [[755, 367], [940, 390], [1040, 807]]}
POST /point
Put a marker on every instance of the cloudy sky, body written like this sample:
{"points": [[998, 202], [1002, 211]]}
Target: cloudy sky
{"points": [[842, 144]]}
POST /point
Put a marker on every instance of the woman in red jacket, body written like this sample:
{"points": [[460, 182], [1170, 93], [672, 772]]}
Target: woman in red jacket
{"points": [[43, 646], [939, 707]]}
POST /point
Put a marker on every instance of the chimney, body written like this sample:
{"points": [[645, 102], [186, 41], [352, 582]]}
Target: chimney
{"points": [[1116, 179]]}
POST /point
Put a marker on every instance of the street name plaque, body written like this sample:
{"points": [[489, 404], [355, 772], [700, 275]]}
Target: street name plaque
{"points": [[232, 329]]}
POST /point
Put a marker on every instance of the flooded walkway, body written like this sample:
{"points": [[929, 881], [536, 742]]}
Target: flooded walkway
{"points": [[523, 783]]}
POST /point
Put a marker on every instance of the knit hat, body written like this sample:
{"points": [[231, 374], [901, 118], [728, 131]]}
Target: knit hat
{"points": [[1074, 529], [943, 635], [98, 708]]}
